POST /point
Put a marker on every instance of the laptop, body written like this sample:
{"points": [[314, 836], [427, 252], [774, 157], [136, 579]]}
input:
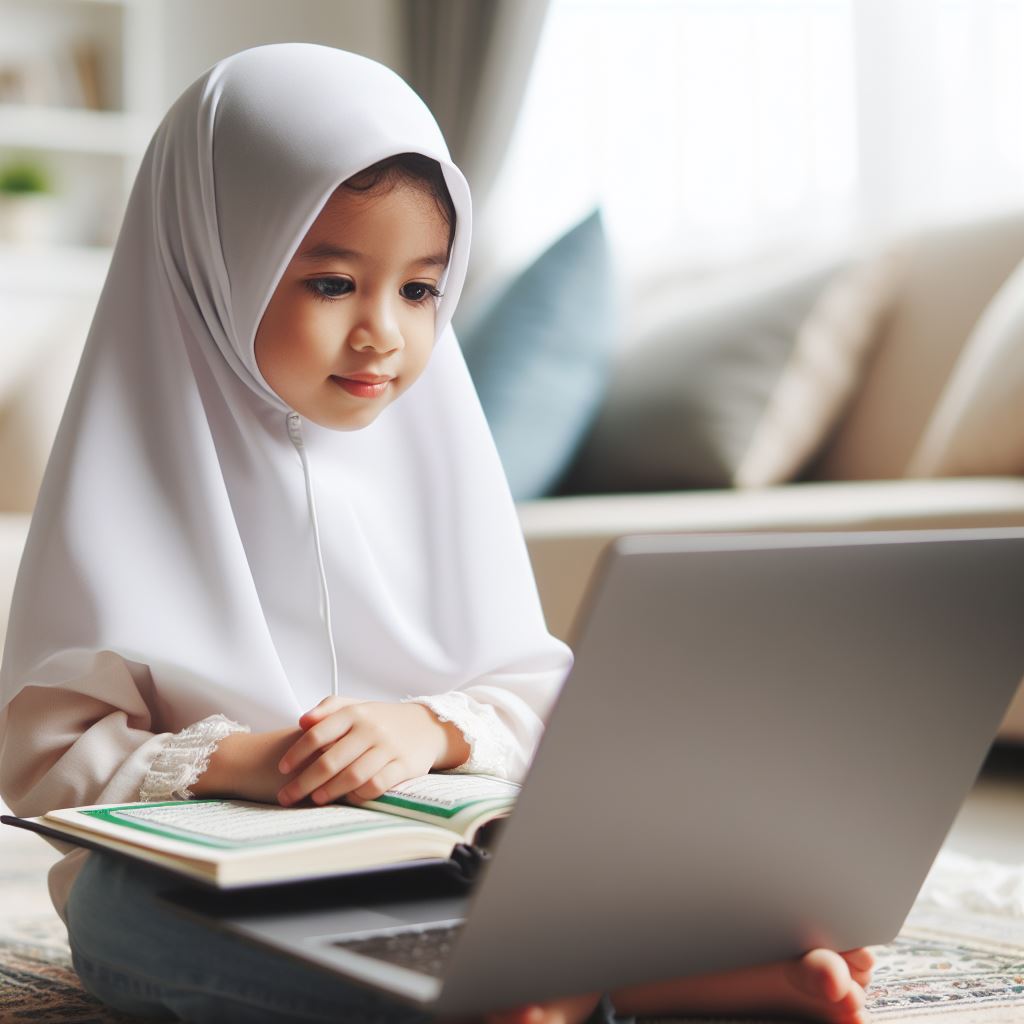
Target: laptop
{"points": [[760, 749]]}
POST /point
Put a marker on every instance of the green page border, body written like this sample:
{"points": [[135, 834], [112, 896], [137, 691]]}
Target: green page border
{"points": [[442, 812], [110, 815]]}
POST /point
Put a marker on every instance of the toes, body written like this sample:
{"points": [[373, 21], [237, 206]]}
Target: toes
{"points": [[851, 1004], [521, 1015], [858, 1017], [822, 973], [861, 963], [862, 959], [825, 989], [862, 978]]}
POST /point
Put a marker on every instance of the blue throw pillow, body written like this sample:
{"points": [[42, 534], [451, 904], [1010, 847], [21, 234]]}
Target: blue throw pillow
{"points": [[540, 357]]}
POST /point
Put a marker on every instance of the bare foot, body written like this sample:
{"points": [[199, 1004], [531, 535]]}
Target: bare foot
{"points": [[822, 986], [830, 986]]}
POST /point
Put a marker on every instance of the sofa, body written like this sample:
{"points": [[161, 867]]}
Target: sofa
{"points": [[867, 474]]}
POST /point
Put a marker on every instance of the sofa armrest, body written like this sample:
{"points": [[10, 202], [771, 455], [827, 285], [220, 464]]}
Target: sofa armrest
{"points": [[565, 536]]}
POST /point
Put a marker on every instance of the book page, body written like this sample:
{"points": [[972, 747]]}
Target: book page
{"points": [[459, 803], [238, 825], [447, 795]]}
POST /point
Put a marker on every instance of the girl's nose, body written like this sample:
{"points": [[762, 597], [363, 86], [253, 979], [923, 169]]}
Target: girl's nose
{"points": [[376, 328]]}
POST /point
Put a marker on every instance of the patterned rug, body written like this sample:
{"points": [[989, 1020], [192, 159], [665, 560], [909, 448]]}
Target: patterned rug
{"points": [[37, 981], [966, 968], [958, 960]]}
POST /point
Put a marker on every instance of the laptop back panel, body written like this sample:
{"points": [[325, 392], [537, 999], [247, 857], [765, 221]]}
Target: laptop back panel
{"points": [[760, 749]]}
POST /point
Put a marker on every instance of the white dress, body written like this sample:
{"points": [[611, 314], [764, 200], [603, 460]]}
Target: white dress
{"points": [[172, 587]]}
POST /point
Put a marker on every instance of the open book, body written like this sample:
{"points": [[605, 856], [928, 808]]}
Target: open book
{"points": [[232, 843]]}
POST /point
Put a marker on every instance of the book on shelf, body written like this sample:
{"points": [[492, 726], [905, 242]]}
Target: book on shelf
{"points": [[234, 843]]}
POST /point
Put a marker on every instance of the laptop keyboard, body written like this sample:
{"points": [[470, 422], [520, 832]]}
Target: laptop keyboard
{"points": [[425, 950]]}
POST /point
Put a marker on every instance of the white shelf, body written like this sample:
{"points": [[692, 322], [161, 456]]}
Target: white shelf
{"points": [[32, 268], [91, 155], [66, 130]]}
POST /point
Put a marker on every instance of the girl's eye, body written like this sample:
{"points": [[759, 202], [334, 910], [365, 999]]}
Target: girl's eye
{"points": [[417, 291], [327, 288]]}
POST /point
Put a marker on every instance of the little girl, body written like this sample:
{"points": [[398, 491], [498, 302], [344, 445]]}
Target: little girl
{"points": [[274, 555]]}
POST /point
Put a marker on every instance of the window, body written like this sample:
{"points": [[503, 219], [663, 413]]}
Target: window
{"points": [[718, 131]]}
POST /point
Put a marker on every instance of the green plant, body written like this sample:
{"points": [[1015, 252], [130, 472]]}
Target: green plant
{"points": [[22, 177]]}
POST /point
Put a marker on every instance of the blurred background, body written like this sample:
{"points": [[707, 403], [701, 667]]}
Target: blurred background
{"points": [[712, 132], [728, 254]]}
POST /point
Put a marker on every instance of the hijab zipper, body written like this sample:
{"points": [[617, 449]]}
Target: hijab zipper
{"points": [[294, 422]]}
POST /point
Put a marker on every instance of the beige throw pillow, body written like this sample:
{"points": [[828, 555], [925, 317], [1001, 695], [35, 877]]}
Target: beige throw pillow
{"points": [[977, 428], [741, 391], [822, 373]]}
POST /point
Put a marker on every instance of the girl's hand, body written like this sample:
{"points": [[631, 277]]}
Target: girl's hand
{"points": [[244, 765], [361, 749]]}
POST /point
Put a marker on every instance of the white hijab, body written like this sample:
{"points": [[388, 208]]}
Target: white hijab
{"points": [[173, 525]]}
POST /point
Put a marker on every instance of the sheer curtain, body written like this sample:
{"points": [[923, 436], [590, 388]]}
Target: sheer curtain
{"points": [[716, 133], [940, 94], [470, 62]]}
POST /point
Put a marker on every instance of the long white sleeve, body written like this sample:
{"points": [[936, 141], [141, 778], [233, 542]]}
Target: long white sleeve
{"points": [[64, 748], [184, 758], [501, 719], [491, 743]]}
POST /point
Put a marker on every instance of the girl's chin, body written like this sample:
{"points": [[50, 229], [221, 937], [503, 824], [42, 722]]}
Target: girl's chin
{"points": [[351, 419], [351, 422]]}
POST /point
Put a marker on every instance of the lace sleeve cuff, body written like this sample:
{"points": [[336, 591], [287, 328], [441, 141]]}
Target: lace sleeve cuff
{"points": [[185, 757], [488, 739]]}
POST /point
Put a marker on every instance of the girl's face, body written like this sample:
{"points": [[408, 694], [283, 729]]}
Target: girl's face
{"points": [[350, 325]]}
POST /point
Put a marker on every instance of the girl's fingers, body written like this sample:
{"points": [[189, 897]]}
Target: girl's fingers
{"points": [[390, 775], [336, 758], [314, 739], [326, 707], [363, 771]]}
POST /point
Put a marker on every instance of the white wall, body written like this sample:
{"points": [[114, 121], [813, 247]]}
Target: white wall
{"points": [[197, 33]]}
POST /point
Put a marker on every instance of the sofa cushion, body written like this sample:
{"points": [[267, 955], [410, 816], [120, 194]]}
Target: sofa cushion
{"points": [[950, 277], [740, 392], [540, 356], [977, 427], [822, 372]]}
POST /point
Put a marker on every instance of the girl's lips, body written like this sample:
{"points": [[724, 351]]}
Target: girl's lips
{"points": [[363, 387]]}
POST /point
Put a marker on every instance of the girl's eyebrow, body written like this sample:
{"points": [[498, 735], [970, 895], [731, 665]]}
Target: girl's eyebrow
{"points": [[327, 251]]}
